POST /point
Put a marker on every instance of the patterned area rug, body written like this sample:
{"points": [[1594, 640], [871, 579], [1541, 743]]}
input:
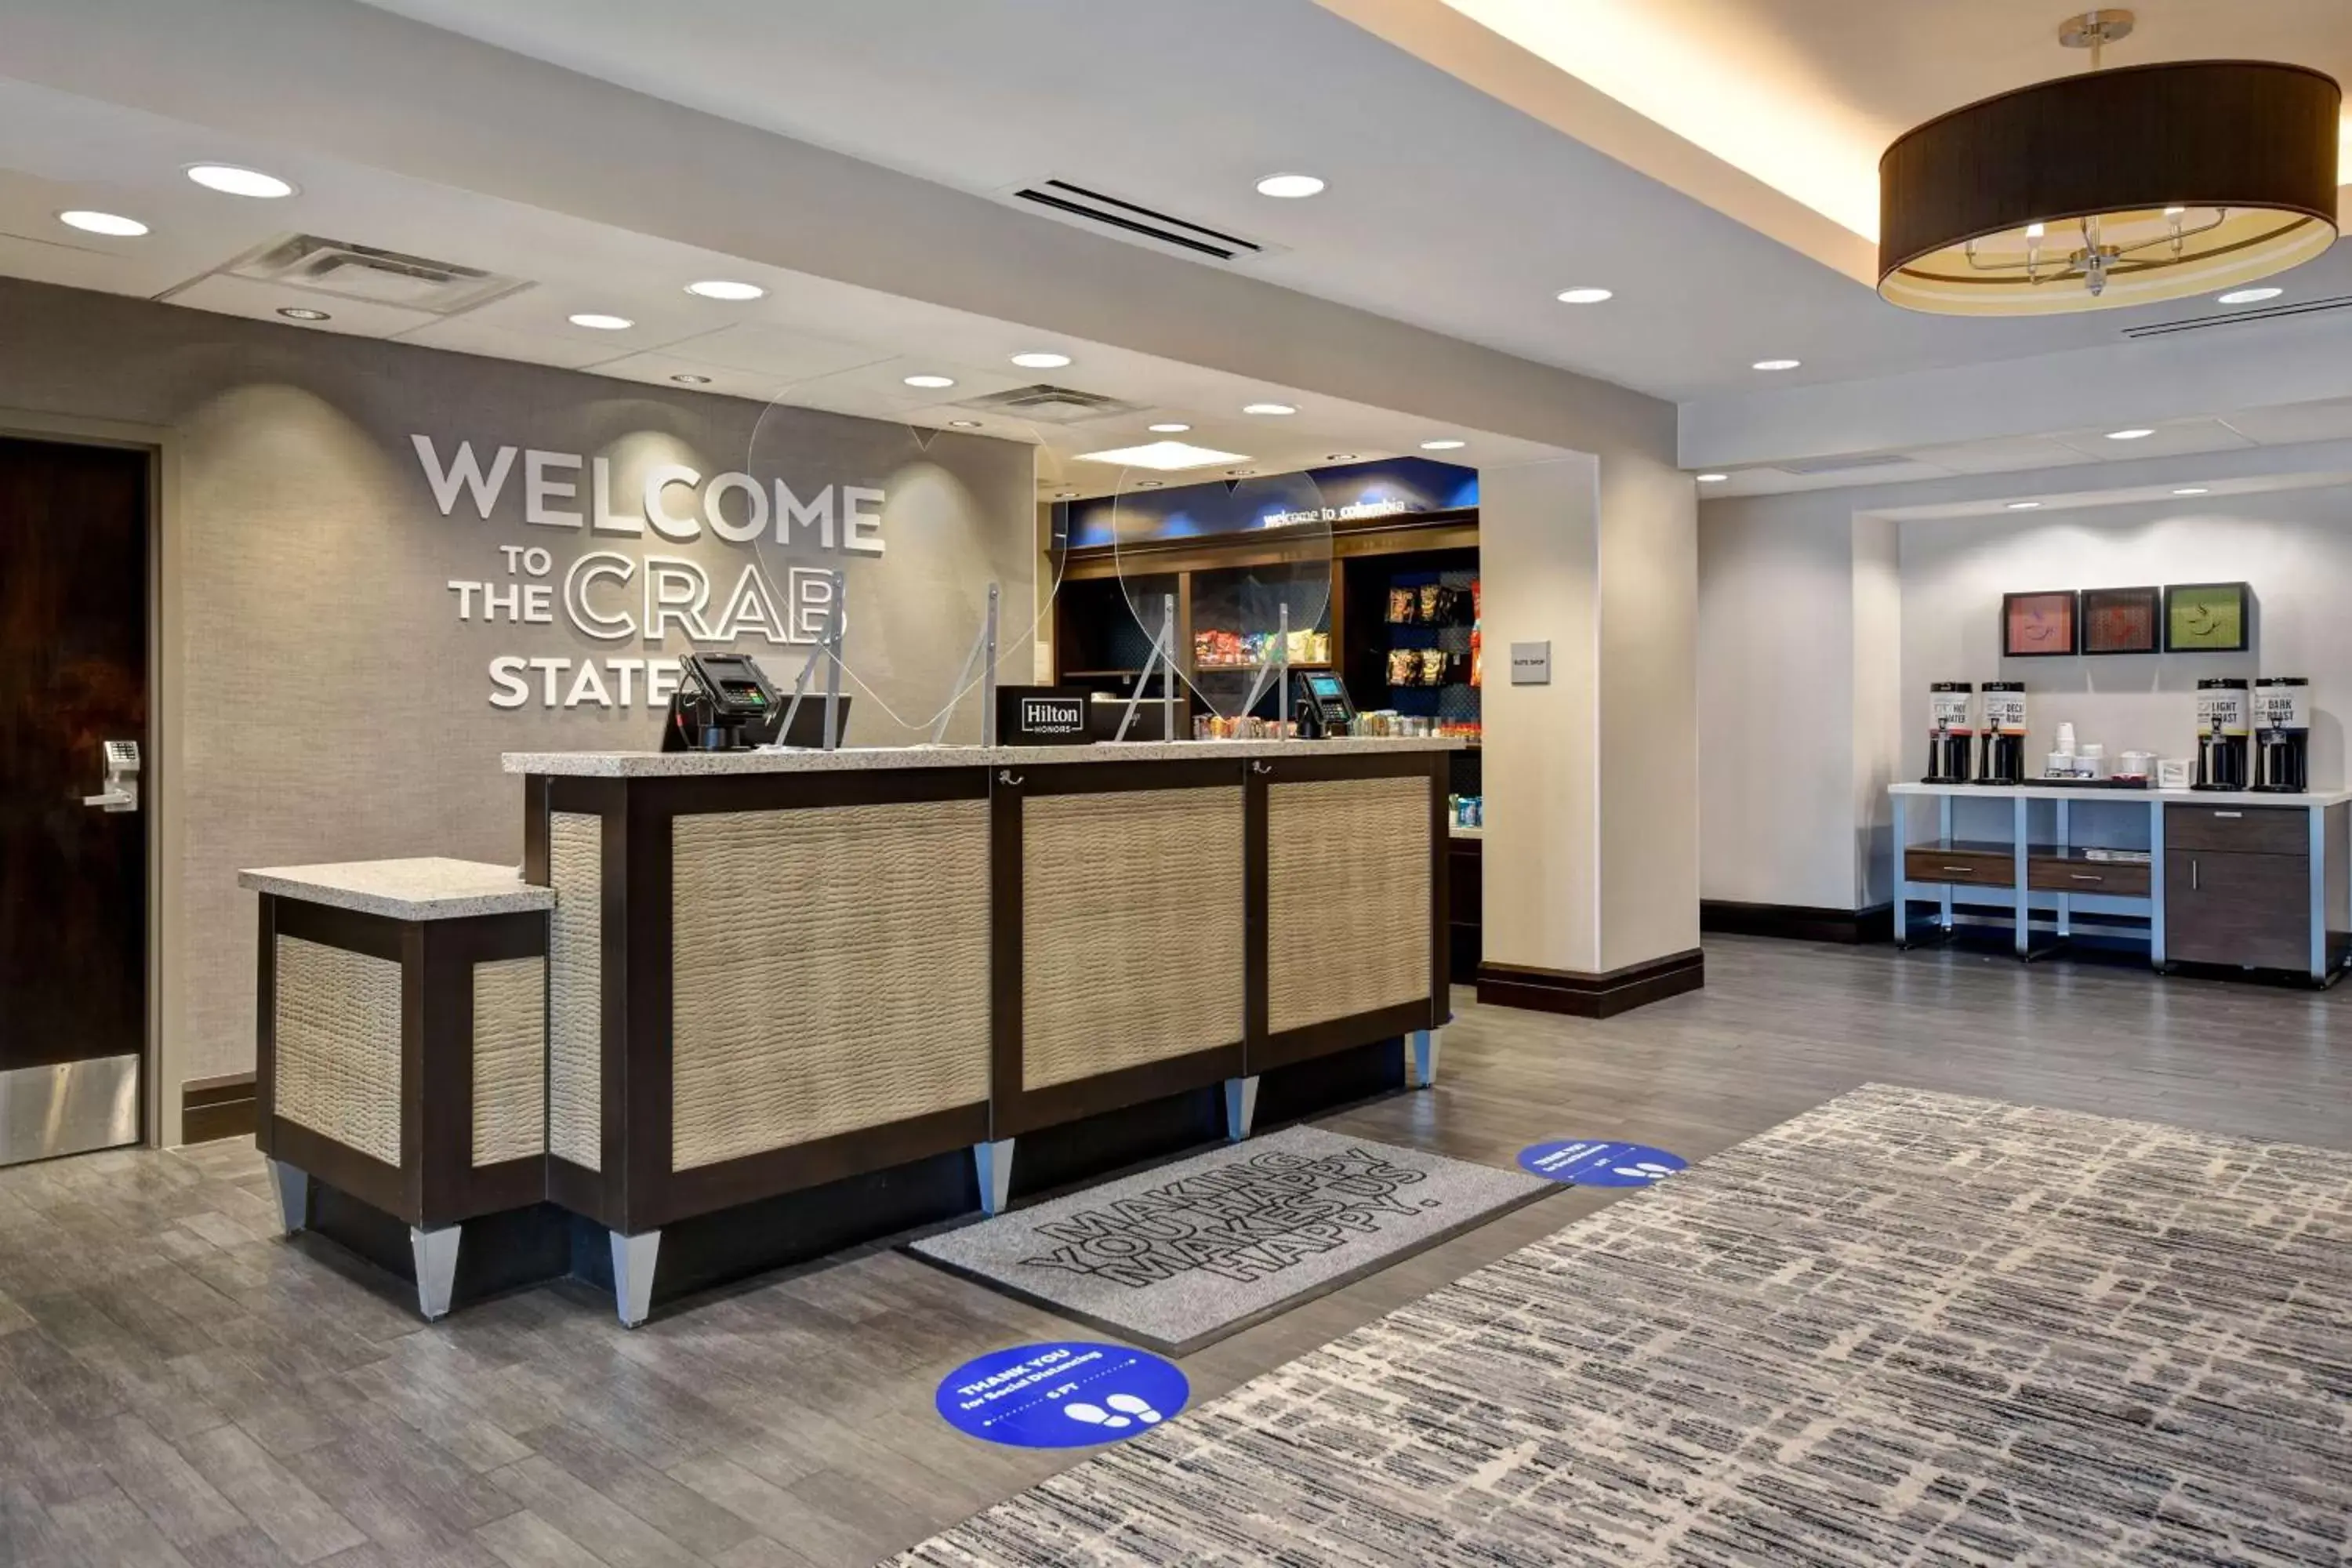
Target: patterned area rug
{"points": [[1184, 1254], [1903, 1328]]}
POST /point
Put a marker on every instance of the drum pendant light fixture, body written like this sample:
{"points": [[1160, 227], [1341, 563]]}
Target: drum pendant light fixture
{"points": [[2111, 187]]}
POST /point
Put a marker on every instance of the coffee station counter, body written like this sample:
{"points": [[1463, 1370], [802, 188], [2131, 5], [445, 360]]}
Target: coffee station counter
{"points": [[2236, 880], [768, 971]]}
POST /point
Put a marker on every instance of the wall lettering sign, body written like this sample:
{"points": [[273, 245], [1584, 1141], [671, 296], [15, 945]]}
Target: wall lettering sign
{"points": [[635, 599]]}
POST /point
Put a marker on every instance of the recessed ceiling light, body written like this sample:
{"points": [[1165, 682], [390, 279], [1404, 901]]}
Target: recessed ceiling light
{"points": [[1066, 495], [1777, 364], [1041, 360], [603, 324], [2174, 212], [1147, 484], [2191, 490], [1169, 430], [2024, 505], [1166, 455], [2248, 296], [1339, 457], [237, 182], [1713, 479], [103, 223], [2035, 230], [2132, 434], [965, 424], [1273, 408], [1290, 186], [721, 288], [687, 378], [1582, 296], [1239, 473], [930, 382], [1447, 445], [303, 314]]}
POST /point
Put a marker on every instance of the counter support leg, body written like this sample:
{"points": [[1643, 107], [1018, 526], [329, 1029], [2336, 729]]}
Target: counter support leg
{"points": [[1240, 1107], [633, 1275], [2021, 904], [436, 1252], [2156, 886], [293, 1195], [2318, 895], [1425, 1043], [995, 1164]]}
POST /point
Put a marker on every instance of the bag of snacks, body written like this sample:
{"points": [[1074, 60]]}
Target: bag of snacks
{"points": [[1404, 667]]}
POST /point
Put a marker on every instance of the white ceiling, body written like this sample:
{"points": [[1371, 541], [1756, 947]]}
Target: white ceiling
{"points": [[1446, 208]]}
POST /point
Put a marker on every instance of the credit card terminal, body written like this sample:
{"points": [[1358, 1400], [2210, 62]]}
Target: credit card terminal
{"points": [[1323, 709], [723, 703]]}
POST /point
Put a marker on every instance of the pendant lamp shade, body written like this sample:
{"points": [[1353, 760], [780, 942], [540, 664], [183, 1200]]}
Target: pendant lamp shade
{"points": [[2111, 188]]}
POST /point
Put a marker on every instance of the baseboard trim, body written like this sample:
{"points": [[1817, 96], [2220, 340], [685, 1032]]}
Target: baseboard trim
{"points": [[1797, 922], [214, 1108], [1582, 996]]}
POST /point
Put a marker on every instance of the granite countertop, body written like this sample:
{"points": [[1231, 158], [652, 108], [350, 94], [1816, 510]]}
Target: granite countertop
{"points": [[430, 888], [850, 759], [2032, 790]]}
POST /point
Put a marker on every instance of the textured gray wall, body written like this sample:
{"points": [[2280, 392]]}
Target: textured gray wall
{"points": [[329, 703]]}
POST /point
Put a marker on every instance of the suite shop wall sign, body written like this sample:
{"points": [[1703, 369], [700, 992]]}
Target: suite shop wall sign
{"points": [[638, 601]]}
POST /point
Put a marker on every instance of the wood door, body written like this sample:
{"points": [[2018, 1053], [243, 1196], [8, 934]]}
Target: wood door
{"points": [[2251, 910], [73, 877]]}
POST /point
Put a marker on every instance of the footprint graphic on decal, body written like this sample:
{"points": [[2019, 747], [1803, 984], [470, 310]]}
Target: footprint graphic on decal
{"points": [[1125, 1411]]}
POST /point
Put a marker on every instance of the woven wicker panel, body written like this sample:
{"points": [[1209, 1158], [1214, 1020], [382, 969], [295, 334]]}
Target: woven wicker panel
{"points": [[509, 1060], [337, 1069], [575, 990], [829, 972], [1131, 944], [1347, 898]]}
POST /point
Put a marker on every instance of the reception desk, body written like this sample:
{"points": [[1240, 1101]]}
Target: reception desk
{"points": [[768, 970]]}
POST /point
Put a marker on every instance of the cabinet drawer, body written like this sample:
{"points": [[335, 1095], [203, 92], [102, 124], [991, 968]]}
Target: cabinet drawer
{"points": [[1979, 867], [2059, 874], [2238, 829], [2252, 910]]}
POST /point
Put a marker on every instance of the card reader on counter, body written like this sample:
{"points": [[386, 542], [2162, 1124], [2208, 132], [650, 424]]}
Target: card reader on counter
{"points": [[723, 703], [1323, 709]]}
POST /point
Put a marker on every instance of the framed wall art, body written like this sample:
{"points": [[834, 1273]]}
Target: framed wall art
{"points": [[2122, 620], [2038, 626], [2207, 617]]}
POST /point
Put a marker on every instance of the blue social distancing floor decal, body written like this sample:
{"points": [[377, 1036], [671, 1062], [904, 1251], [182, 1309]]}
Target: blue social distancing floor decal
{"points": [[1591, 1163], [1066, 1394]]}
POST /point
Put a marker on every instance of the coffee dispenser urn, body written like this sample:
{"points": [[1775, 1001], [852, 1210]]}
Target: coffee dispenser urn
{"points": [[2220, 732], [1951, 731], [2004, 755], [2283, 735]]}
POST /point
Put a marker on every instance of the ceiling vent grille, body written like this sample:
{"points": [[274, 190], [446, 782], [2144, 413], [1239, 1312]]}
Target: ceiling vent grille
{"points": [[2239, 318], [1135, 221], [351, 271], [1843, 464], [1051, 404]]}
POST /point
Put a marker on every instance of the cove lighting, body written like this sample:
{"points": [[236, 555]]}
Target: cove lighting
{"points": [[1582, 296], [1276, 409], [687, 378], [1776, 364], [1713, 479], [2191, 490], [1448, 445], [2248, 296], [1169, 430], [1290, 187], [721, 288], [2024, 506], [120, 228], [601, 323], [1164, 455], [303, 314], [236, 182], [930, 382], [1041, 360], [2133, 435]]}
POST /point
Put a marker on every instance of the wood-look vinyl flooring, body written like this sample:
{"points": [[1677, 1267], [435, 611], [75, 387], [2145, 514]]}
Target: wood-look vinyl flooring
{"points": [[179, 1386]]}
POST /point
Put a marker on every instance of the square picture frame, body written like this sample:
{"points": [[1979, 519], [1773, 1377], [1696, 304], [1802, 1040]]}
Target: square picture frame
{"points": [[2041, 625], [2122, 620], [2207, 617]]}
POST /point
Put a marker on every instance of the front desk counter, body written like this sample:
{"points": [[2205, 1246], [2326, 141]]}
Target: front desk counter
{"points": [[770, 971]]}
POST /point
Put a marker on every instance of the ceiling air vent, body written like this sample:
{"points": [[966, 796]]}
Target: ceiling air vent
{"points": [[351, 271], [2240, 317], [1051, 404], [1842, 464], [1094, 209]]}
